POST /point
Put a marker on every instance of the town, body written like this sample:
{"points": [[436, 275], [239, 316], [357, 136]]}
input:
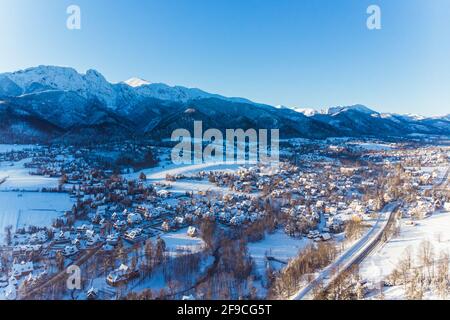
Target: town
{"points": [[140, 227]]}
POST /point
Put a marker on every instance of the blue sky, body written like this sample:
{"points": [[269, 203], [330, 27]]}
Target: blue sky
{"points": [[304, 53]]}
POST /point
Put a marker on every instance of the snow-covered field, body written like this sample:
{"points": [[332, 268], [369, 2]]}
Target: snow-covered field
{"points": [[179, 242], [15, 147], [158, 174], [18, 178], [381, 263], [31, 208], [19, 209], [277, 245], [371, 146]]}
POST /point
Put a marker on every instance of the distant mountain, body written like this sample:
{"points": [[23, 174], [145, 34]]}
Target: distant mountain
{"points": [[306, 111], [20, 126], [359, 120], [47, 103], [333, 111], [446, 117], [136, 82]]}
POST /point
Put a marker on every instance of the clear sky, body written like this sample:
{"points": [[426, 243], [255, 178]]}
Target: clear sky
{"points": [[303, 53]]}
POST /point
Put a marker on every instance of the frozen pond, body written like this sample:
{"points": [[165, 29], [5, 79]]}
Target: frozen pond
{"points": [[31, 208]]}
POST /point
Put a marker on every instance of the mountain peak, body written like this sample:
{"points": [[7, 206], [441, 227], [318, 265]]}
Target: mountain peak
{"points": [[332, 111], [309, 112], [357, 107], [136, 82]]}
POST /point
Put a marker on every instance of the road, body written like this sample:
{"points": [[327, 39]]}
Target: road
{"points": [[360, 250], [353, 255], [445, 181]]}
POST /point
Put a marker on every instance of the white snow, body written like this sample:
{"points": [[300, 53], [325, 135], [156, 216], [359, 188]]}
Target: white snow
{"points": [[372, 146], [435, 229], [31, 209], [158, 174], [65, 79], [136, 82], [18, 178], [348, 257], [181, 243], [20, 202], [309, 112], [15, 147], [336, 110], [277, 245], [94, 85]]}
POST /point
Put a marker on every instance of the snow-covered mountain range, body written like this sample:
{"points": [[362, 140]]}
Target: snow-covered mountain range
{"points": [[332, 111], [48, 102], [93, 85]]}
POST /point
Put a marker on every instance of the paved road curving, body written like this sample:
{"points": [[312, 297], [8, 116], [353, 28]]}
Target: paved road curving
{"points": [[355, 254]]}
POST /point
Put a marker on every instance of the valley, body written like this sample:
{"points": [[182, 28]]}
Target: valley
{"points": [[182, 231], [89, 181]]}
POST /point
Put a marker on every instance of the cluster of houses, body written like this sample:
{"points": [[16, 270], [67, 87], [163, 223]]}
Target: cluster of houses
{"points": [[316, 198], [312, 199], [17, 155], [73, 164]]}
